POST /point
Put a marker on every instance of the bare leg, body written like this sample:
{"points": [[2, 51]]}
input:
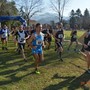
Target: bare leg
{"points": [[88, 59], [36, 60], [60, 53], [2, 44], [70, 45], [76, 45], [23, 54], [49, 44]]}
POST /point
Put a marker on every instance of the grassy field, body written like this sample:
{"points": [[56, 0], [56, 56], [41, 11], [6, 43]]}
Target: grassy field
{"points": [[15, 74]]}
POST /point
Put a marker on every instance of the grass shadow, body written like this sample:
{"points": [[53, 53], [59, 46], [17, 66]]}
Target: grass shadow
{"points": [[72, 83]]}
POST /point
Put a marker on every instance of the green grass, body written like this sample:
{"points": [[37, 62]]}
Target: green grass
{"points": [[15, 74]]}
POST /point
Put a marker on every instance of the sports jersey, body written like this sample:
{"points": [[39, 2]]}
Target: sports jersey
{"points": [[87, 42], [59, 35], [21, 35], [4, 33], [38, 41], [74, 34]]}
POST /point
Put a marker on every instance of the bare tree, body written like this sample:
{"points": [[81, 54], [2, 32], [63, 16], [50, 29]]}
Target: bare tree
{"points": [[59, 6], [28, 8]]}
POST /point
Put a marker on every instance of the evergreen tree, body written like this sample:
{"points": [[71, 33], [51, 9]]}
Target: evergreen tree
{"points": [[72, 19], [78, 17], [86, 19]]}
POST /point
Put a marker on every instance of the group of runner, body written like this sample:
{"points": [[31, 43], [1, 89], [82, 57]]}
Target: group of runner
{"points": [[39, 37]]}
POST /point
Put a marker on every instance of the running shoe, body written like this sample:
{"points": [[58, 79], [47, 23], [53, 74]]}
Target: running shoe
{"points": [[37, 72]]}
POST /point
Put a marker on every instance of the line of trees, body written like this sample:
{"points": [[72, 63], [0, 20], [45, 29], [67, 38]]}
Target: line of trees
{"points": [[82, 20], [8, 8], [28, 8]]}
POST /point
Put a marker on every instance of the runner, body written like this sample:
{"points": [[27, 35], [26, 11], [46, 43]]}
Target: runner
{"points": [[13, 31], [48, 36], [4, 37], [86, 49], [36, 43], [22, 36], [59, 38], [47, 31], [73, 38], [53, 33]]}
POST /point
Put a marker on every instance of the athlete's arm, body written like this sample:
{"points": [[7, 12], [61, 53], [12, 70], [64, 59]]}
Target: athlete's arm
{"points": [[81, 38], [30, 41], [84, 35], [85, 46], [43, 45], [63, 35], [55, 37], [54, 34], [14, 34], [26, 36]]}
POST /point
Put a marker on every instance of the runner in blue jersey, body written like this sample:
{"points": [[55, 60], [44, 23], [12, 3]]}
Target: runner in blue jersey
{"points": [[37, 43]]}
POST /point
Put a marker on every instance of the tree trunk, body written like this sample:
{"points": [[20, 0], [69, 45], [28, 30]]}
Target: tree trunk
{"points": [[59, 17]]}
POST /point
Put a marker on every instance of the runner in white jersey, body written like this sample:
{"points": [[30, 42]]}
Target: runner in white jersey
{"points": [[4, 37], [21, 38]]}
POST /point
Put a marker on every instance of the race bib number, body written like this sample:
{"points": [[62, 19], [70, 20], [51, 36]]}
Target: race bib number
{"points": [[22, 40], [3, 35], [88, 43], [39, 42], [60, 36]]}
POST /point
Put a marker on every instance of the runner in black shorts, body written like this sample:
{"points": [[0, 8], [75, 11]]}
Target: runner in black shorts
{"points": [[74, 38], [22, 36], [86, 49], [48, 36], [59, 36], [4, 37]]}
